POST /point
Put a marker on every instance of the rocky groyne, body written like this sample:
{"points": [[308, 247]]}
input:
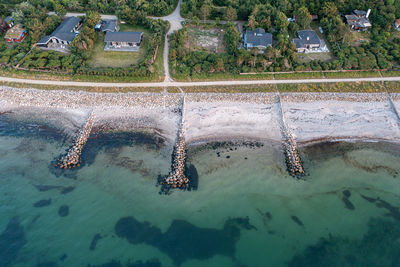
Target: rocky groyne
{"points": [[292, 157], [177, 178], [393, 107], [72, 158]]}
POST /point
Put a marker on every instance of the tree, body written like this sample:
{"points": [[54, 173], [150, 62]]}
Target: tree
{"points": [[281, 22], [230, 14], [204, 11], [303, 17], [3, 26], [329, 10]]}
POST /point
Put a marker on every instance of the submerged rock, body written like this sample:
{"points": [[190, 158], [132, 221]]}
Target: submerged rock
{"points": [[346, 193], [12, 239], [63, 211]]}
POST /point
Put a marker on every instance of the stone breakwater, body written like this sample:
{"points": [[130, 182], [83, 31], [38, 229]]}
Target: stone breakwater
{"points": [[73, 156], [177, 178], [292, 157]]}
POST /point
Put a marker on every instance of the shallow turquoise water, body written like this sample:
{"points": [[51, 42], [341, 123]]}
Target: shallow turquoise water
{"points": [[246, 211]]}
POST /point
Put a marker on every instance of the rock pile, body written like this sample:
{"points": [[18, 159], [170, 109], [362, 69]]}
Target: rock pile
{"points": [[177, 178], [293, 160], [73, 156]]}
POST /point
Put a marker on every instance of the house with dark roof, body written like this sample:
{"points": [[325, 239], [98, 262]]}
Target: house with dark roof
{"points": [[358, 21], [123, 41], [257, 38], [62, 36], [108, 25], [308, 41], [16, 34]]}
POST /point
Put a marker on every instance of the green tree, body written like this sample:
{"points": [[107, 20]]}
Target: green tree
{"points": [[303, 17], [230, 14]]}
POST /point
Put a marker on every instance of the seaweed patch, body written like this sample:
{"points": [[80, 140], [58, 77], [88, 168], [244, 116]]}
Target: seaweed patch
{"points": [[183, 240], [63, 211], [12, 239], [340, 251], [42, 203], [95, 239], [297, 220]]}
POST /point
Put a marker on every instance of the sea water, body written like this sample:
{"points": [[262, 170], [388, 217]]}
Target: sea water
{"points": [[246, 210]]}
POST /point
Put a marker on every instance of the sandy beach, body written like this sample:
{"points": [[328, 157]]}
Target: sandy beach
{"points": [[219, 117]]}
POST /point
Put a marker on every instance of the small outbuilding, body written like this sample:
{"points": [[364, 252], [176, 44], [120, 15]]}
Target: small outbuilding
{"points": [[396, 24], [123, 41], [107, 25], [16, 34], [10, 22]]}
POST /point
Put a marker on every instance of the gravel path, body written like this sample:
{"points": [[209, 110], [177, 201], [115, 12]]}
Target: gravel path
{"points": [[183, 84]]}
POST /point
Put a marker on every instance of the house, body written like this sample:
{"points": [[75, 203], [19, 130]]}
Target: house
{"points": [[16, 34], [123, 41], [109, 25], [308, 41], [257, 38], [10, 22], [358, 21], [396, 24], [62, 36]]}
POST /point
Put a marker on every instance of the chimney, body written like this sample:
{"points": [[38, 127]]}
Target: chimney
{"points": [[368, 12], [308, 38]]}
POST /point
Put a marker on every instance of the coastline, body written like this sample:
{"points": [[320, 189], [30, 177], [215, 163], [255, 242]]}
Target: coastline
{"points": [[221, 117]]}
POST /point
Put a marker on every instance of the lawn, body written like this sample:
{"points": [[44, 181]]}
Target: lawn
{"points": [[101, 58]]}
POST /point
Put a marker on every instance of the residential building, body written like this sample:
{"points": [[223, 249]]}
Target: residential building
{"points": [[16, 34], [358, 21], [109, 25], [258, 39], [308, 41], [123, 41], [62, 36]]}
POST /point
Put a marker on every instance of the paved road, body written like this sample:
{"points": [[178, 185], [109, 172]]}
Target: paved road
{"points": [[175, 20], [182, 84]]}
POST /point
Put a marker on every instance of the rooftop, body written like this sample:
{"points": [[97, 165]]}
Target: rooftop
{"points": [[65, 31], [130, 37], [109, 25], [258, 37], [15, 32]]}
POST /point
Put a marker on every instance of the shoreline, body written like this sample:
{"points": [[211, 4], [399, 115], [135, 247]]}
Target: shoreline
{"points": [[220, 116]]}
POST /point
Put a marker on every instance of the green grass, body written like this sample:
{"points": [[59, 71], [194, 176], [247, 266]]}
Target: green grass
{"points": [[231, 88], [392, 87], [101, 58], [352, 74], [298, 75], [84, 88], [390, 73], [222, 77], [354, 87]]}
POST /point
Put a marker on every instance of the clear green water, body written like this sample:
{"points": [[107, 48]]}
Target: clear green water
{"points": [[246, 211]]}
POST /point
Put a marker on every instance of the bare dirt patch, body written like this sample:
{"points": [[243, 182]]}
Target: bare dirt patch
{"points": [[201, 39]]}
